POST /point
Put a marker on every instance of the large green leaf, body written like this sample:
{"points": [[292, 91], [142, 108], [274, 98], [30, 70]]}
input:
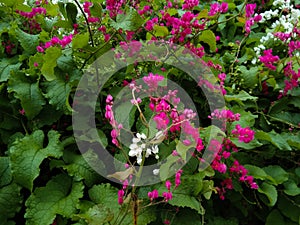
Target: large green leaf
{"points": [[27, 154], [130, 20], [270, 192], [80, 40], [98, 214], [278, 174], [209, 38], [5, 171], [60, 196], [182, 200], [250, 76], [274, 138], [10, 201], [29, 93], [7, 66], [289, 207], [78, 166], [50, 61], [29, 42], [256, 172], [105, 194], [58, 91]]}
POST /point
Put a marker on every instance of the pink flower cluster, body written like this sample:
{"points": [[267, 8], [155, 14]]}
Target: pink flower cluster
{"points": [[222, 77], [86, 9], [152, 81], [8, 45], [218, 8], [131, 48], [35, 11], [293, 78], [56, 41], [268, 59], [249, 19], [239, 171], [114, 7], [182, 27], [167, 195], [244, 134], [109, 115], [189, 4], [226, 114], [145, 10]]}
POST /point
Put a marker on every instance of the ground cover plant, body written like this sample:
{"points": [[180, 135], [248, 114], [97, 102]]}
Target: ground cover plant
{"points": [[150, 112]]}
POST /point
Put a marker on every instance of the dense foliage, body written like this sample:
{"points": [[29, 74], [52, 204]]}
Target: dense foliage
{"points": [[249, 52]]}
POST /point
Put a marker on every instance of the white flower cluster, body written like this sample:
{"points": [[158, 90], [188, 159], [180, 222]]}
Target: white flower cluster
{"points": [[139, 146], [284, 23]]}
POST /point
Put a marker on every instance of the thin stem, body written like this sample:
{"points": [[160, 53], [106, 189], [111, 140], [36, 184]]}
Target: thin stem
{"points": [[87, 22]]}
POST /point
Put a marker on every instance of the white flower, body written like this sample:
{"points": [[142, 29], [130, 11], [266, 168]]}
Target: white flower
{"points": [[156, 172], [139, 161], [141, 136], [155, 149], [148, 152]]}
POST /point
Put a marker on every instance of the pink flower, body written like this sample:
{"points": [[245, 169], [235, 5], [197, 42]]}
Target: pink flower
{"points": [[167, 195], [162, 120], [224, 7], [152, 81], [120, 196], [190, 4], [40, 49], [168, 185], [177, 178], [214, 9], [250, 9], [244, 134], [268, 59]]}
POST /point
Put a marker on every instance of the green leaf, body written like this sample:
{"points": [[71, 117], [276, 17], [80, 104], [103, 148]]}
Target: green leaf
{"points": [[80, 40], [190, 185], [96, 9], [79, 166], [5, 171], [160, 31], [29, 42], [31, 98], [72, 11], [98, 214], [27, 154], [166, 167], [182, 200], [8, 66], [274, 138], [277, 173], [275, 218], [185, 216], [106, 195], [10, 201], [240, 97], [251, 145], [130, 21], [288, 208], [50, 61], [58, 91], [250, 76], [256, 172], [270, 191], [291, 188], [59, 196], [209, 38]]}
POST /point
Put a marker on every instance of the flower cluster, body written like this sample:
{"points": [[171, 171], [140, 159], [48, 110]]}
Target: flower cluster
{"points": [[244, 134], [268, 59], [109, 115], [249, 19], [218, 8], [55, 41], [139, 146], [167, 195]]}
